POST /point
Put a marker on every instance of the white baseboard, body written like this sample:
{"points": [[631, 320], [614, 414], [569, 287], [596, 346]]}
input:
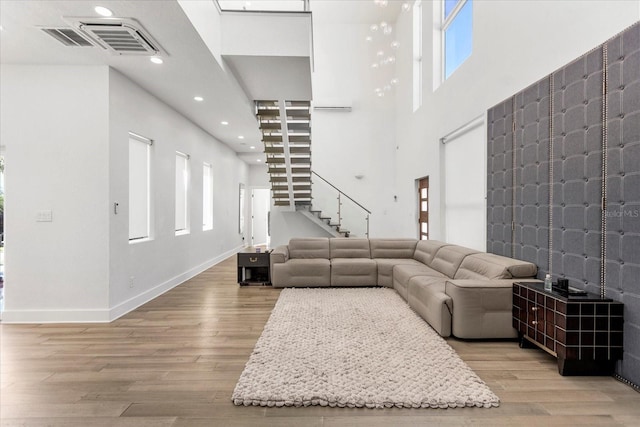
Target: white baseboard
{"points": [[108, 315], [55, 316]]}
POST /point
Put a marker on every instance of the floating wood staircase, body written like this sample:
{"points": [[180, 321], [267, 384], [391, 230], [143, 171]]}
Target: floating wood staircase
{"points": [[286, 134]]}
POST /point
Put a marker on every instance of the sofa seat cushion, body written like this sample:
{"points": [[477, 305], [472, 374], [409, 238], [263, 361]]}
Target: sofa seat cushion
{"points": [[491, 266], [481, 308], [385, 269], [353, 272], [403, 273], [427, 297], [392, 248], [302, 272]]}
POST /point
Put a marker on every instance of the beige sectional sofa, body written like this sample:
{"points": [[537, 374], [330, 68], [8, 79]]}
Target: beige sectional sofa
{"points": [[457, 290]]}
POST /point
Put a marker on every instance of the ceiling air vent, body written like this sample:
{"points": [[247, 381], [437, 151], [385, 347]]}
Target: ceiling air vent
{"points": [[120, 38], [67, 37]]}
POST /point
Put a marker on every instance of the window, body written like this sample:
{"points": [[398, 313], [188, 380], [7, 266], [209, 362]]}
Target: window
{"points": [[207, 197], [457, 19], [182, 193], [139, 187], [465, 208], [241, 209], [417, 55], [423, 208]]}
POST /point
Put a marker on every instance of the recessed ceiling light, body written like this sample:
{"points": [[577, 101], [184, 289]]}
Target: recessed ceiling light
{"points": [[240, 137], [253, 147], [258, 160], [156, 60], [103, 11], [198, 98], [224, 123]]}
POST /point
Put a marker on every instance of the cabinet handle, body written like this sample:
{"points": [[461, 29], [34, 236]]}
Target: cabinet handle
{"points": [[253, 259]]}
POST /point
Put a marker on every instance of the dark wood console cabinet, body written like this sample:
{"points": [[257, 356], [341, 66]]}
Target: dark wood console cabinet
{"points": [[253, 268], [585, 333]]}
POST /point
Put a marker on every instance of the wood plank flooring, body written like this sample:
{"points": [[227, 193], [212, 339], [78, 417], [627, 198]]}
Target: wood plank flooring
{"points": [[175, 362]]}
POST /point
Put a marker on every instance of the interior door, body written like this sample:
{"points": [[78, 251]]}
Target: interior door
{"points": [[260, 201], [423, 208]]}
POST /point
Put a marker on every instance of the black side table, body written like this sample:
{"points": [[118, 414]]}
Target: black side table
{"points": [[584, 332], [253, 268]]}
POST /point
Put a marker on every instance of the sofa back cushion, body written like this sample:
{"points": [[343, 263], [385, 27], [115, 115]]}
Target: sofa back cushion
{"points": [[392, 248], [482, 266], [426, 250], [309, 247], [448, 258], [342, 247]]}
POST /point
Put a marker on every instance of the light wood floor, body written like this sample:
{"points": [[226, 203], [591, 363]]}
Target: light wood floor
{"points": [[175, 362]]}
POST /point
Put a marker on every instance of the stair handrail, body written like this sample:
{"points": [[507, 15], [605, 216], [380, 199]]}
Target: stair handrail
{"points": [[341, 192]]}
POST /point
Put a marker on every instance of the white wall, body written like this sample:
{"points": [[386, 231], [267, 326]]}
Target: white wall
{"points": [[286, 224], [288, 34], [54, 124], [205, 17], [259, 176], [360, 142], [167, 260], [66, 135], [515, 44]]}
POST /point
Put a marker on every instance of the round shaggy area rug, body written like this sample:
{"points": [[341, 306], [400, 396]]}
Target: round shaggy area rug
{"points": [[355, 347]]}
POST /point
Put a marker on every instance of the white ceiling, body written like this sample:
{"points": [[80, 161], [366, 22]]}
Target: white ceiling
{"points": [[189, 69]]}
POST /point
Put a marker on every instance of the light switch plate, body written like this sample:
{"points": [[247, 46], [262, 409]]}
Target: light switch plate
{"points": [[44, 216]]}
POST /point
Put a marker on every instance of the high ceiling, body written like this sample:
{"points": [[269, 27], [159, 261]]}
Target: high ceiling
{"points": [[189, 68]]}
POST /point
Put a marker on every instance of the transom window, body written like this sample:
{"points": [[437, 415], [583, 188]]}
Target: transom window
{"points": [[457, 34]]}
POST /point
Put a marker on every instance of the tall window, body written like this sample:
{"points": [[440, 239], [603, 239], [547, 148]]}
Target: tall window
{"points": [[139, 187], [417, 55], [207, 197], [182, 193], [457, 31]]}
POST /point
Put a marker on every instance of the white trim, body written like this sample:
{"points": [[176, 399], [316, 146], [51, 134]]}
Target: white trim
{"points": [[141, 138], [181, 154], [447, 21], [55, 316], [469, 126], [109, 315]]}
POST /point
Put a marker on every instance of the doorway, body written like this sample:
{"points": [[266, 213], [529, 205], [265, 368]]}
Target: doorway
{"points": [[1, 231], [423, 208], [260, 202]]}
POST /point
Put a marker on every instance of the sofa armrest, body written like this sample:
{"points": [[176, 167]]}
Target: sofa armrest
{"points": [[280, 255], [481, 308]]}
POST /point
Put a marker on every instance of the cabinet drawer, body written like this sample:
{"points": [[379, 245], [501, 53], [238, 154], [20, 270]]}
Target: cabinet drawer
{"points": [[253, 260]]}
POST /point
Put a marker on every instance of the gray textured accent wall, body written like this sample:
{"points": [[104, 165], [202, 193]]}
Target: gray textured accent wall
{"points": [[577, 172], [570, 103], [623, 190], [499, 179], [531, 225]]}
